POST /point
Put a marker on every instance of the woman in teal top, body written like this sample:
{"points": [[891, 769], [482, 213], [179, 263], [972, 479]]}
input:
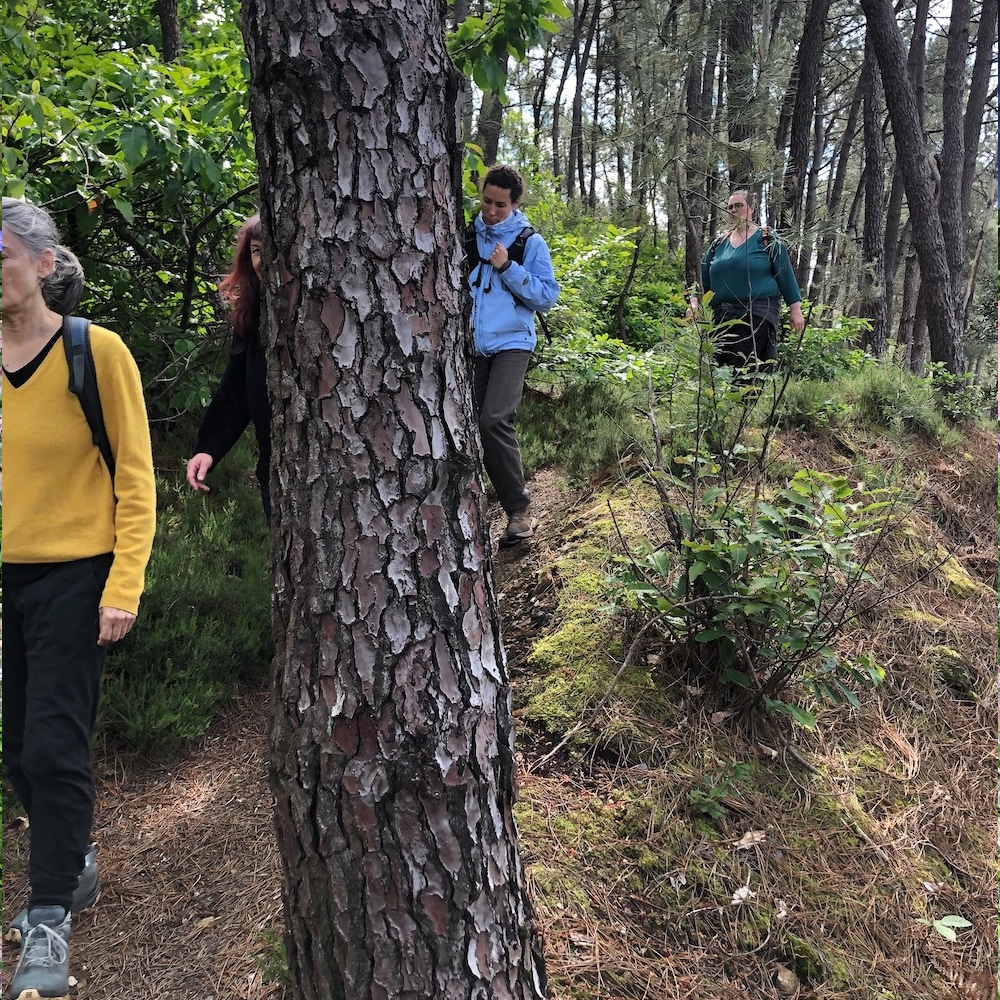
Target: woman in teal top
{"points": [[748, 273]]}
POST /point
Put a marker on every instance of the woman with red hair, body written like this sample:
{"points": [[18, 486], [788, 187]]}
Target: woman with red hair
{"points": [[241, 398]]}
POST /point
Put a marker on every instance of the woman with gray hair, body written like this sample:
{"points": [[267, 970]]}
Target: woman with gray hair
{"points": [[76, 544]]}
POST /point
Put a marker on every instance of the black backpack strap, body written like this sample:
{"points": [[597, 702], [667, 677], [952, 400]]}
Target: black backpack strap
{"points": [[545, 327], [770, 241], [83, 383], [471, 244], [713, 246], [515, 251]]}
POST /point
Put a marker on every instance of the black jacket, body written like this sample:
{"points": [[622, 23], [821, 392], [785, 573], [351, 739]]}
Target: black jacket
{"points": [[241, 399]]}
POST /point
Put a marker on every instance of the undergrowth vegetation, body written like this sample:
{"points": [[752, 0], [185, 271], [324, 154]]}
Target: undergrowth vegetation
{"points": [[204, 631], [854, 858]]}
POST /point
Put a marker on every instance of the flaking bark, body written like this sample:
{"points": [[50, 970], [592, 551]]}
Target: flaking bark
{"points": [[392, 756]]}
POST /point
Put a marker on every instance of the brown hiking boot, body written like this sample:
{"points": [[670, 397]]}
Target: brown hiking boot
{"points": [[520, 526]]}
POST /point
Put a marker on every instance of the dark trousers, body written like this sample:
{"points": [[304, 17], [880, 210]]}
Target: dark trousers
{"points": [[51, 683], [748, 346], [498, 382]]}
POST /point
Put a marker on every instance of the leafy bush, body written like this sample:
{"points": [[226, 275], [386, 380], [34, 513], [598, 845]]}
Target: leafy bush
{"points": [[958, 397], [204, 624], [146, 166], [597, 269], [885, 396], [753, 585], [750, 580], [824, 353]]}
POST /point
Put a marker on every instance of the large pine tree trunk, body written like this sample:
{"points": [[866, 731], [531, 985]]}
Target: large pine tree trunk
{"points": [[943, 326], [392, 760]]}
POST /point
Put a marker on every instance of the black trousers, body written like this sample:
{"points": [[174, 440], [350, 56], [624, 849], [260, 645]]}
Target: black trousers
{"points": [[749, 346], [51, 683]]}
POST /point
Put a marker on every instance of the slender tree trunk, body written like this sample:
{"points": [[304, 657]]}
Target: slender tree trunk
{"points": [[921, 343], [557, 112], [810, 64], [873, 305], [953, 221], [581, 69], [539, 97], [944, 331], [392, 762], [697, 131], [915, 64], [979, 87], [829, 236], [170, 30], [988, 219], [487, 136], [740, 113], [807, 238], [597, 113], [490, 123]]}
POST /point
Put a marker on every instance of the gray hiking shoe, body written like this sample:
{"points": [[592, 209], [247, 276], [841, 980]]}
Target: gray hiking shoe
{"points": [[43, 970], [88, 888], [520, 525]]}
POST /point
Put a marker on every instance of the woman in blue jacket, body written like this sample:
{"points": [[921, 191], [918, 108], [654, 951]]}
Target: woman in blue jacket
{"points": [[505, 297]]}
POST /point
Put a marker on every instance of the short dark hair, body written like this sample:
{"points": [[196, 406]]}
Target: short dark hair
{"points": [[508, 178]]}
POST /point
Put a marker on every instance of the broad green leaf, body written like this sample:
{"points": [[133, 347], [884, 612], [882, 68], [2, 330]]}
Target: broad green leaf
{"points": [[125, 208], [134, 142]]}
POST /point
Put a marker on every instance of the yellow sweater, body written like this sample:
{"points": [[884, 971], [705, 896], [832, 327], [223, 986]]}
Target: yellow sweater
{"points": [[58, 499]]}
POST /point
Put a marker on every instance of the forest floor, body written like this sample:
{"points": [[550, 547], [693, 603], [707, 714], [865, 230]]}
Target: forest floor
{"points": [[811, 882]]}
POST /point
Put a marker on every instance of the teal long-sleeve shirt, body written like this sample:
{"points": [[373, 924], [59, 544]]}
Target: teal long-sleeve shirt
{"points": [[750, 278]]}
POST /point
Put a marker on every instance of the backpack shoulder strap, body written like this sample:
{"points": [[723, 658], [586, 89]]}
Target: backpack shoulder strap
{"points": [[83, 382], [713, 246], [770, 242], [471, 244], [516, 250]]}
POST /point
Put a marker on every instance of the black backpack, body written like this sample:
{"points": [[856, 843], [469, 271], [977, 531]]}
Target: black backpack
{"points": [[515, 252], [83, 382]]}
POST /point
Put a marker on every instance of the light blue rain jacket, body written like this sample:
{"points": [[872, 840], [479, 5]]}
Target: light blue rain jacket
{"points": [[504, 305]]}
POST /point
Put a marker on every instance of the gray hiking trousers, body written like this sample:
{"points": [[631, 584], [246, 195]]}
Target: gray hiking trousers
{"points": [[498, 381]]}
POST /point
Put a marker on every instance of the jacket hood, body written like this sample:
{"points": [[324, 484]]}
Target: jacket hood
{"points": [[510, 226]]}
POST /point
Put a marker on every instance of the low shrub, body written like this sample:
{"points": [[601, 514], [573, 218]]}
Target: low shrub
{"points": [[204, 627]]}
